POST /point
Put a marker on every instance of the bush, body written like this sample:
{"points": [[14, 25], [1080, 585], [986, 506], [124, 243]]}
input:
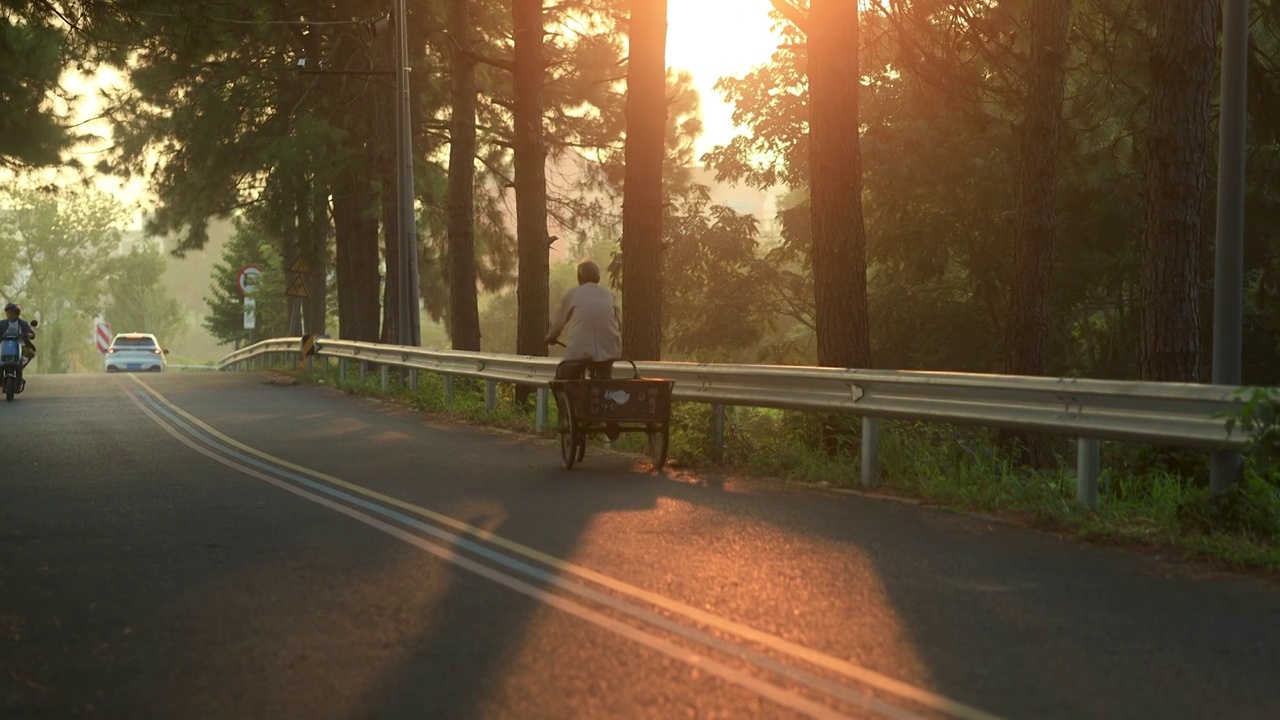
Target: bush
{"points": [[1251, 508], [1260, 420]]}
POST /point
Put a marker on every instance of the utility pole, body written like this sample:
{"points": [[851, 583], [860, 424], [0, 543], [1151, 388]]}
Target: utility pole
{"points": [[1228, 292], [409, 320]]}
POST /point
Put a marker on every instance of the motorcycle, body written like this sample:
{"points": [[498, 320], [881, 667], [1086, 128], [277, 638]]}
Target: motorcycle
{"points": [[12, 359]]}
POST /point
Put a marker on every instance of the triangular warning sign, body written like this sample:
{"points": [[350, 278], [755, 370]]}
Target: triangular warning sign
{"points": [[300, 266], [298, 289]]}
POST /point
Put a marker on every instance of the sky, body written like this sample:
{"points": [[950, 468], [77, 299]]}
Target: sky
{"points": [[712, 39], [709, 38]]}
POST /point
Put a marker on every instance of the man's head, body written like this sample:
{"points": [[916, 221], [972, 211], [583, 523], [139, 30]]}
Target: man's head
{"points": [[588, 272], [12, 311]]}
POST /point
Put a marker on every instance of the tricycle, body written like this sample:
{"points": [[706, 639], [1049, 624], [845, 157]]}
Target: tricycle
{"points": [[610, 407]]}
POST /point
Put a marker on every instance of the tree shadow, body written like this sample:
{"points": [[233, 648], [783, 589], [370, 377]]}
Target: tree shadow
{"points": [[1017, 622]]}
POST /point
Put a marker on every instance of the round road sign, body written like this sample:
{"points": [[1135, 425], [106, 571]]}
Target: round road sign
{"points": [[248, 278]]}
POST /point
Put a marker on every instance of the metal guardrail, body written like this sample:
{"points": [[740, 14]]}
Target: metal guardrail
{"points": [[1174, 414]]}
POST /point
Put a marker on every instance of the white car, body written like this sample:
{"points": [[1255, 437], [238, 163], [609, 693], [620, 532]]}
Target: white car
{"points": [[135, 352]]}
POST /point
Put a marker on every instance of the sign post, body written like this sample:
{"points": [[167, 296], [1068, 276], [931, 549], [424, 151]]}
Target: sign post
{"points": [[248, 280], [297, 292], [250, 313]]}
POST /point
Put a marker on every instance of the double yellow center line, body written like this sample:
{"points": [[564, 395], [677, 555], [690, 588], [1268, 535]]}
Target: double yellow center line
{"points": [[358, 502]]}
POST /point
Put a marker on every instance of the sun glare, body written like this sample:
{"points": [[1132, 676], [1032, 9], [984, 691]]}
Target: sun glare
{"points": [[713, 39]]}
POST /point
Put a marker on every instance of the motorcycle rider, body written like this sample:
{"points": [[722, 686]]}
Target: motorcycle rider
{"points": [[12, 313]]}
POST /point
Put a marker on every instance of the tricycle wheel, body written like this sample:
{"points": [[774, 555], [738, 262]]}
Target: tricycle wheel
{"points": [[658, 439], [570, 438], [568, 448]]}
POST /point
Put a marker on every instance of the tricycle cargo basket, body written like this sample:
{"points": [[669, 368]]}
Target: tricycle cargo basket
{"points": [[642, 400]]}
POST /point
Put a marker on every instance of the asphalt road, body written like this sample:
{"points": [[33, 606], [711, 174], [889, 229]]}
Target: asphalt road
{"points": [[212, 546]]}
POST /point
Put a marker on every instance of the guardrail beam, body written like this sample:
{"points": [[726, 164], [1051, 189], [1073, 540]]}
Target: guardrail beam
{"points": [[1173, 414]]}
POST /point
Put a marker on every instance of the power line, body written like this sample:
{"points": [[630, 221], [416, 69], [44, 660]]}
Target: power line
{"points": [[233, 21]]}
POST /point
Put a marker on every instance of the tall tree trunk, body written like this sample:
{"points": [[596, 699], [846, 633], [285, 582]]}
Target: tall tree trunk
{"points": [[1034, 231], [1177, 151], [308, 245], [285, 200], [838, 256], [316, 255], [532, 314], [464, 312], [357, 260], [642, 204]]}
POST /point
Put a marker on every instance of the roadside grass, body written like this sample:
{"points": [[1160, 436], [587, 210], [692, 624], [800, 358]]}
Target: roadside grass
{"points": [[1149, 498]]}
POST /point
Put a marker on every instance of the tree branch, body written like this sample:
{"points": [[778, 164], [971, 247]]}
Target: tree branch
{"points": [[500, 63], [793, 14]]}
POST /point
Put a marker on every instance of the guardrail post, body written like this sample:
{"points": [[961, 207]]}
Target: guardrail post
{"points": [[310, 365], [717, 431], [490, 395], [1088, 462], [870, 451], [448, 389], [386, 372], [541, 422], [342, 371], [364, 369], [413, 379]]}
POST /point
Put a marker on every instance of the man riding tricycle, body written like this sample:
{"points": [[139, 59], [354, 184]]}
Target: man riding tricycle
{"points": [[588, 399]]}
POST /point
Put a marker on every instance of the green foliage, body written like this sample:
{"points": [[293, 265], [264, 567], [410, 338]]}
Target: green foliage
{"points": [[138, 300], [1259, 419], [55, 251], [32, 55], [225, 320], [712, 308], [940, 106], [498, 310], [1251, 509]]}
